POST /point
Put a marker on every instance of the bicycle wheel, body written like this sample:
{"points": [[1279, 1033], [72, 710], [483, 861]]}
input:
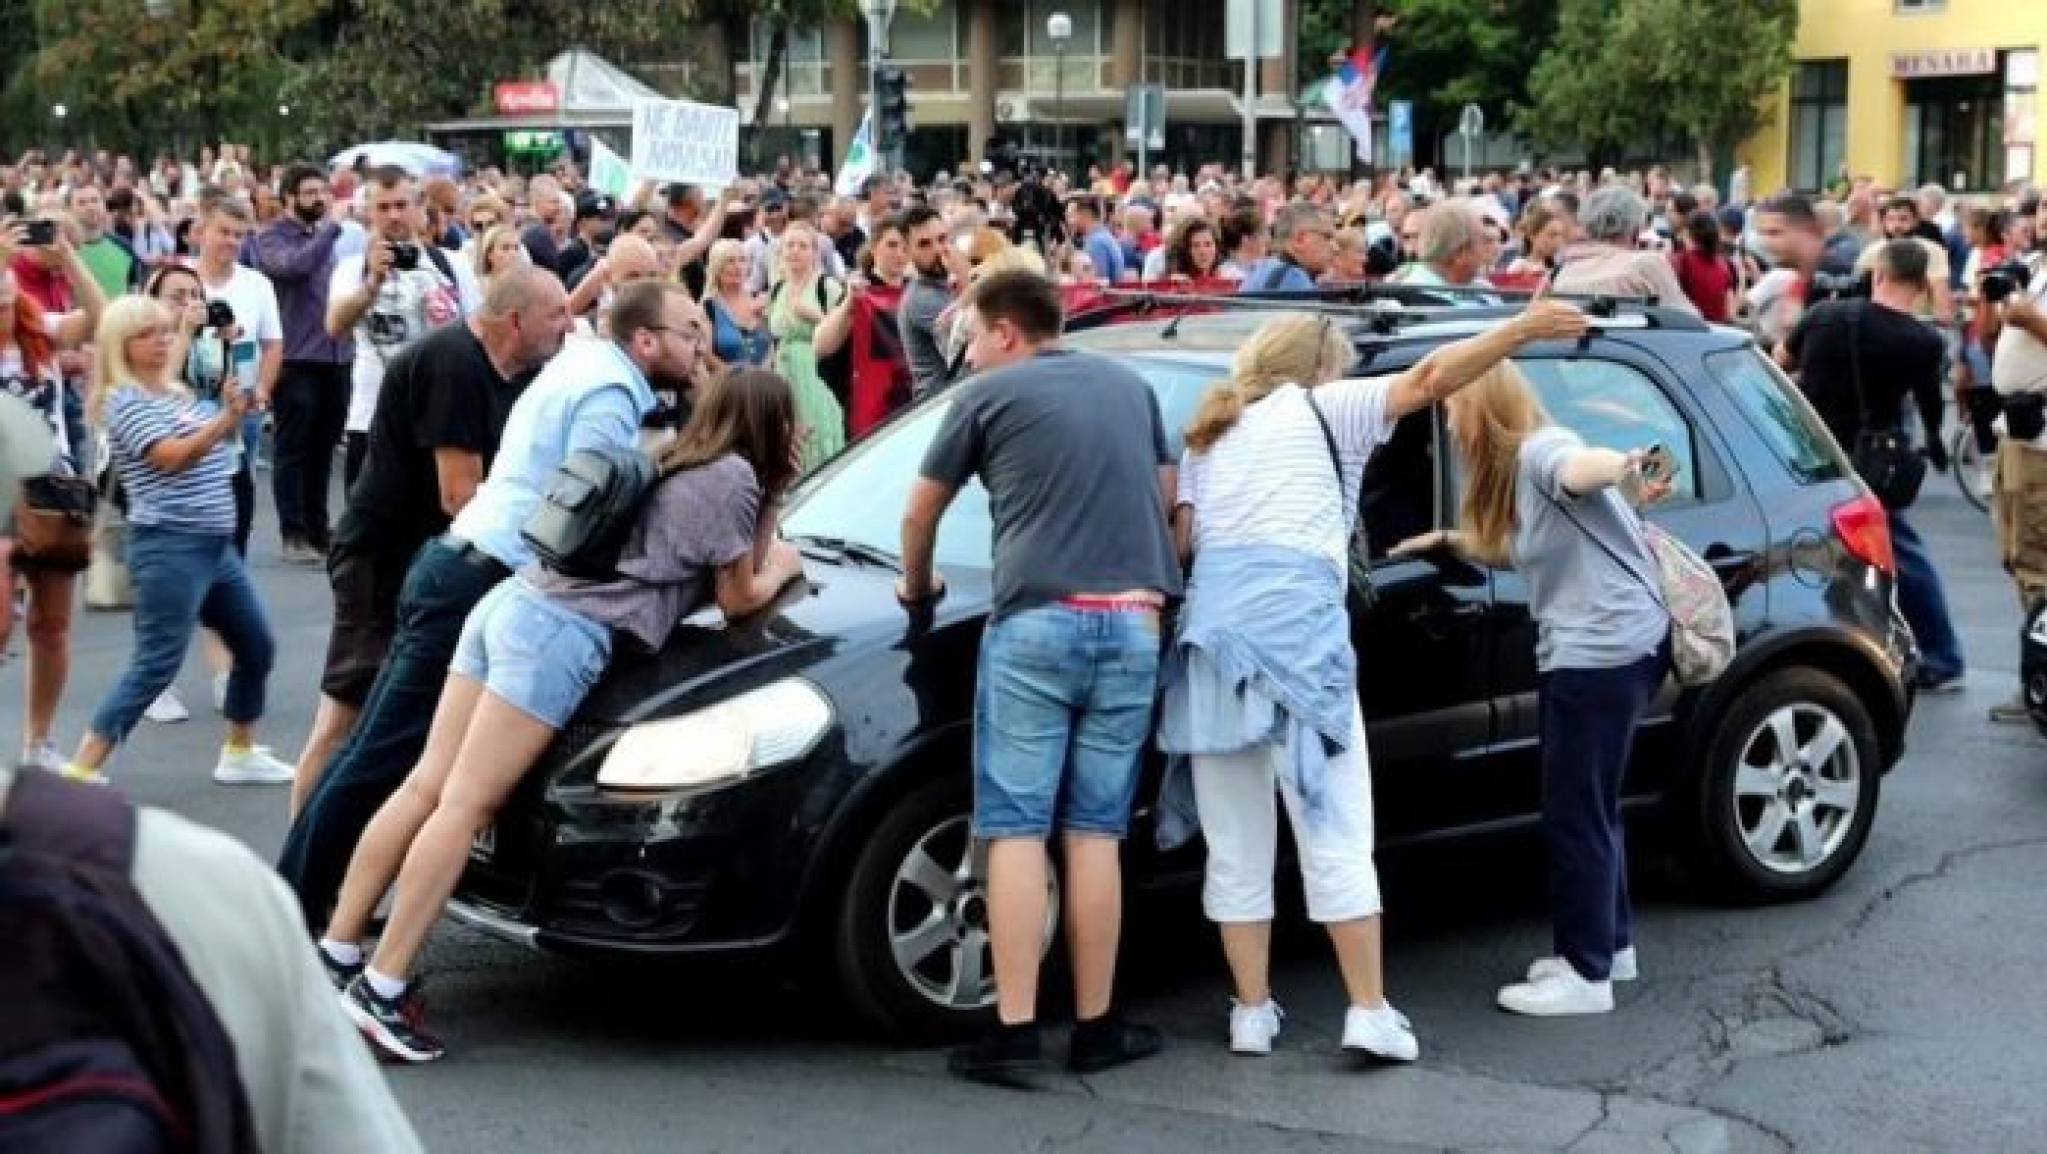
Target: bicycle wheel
{"points": [[1971, 467]]}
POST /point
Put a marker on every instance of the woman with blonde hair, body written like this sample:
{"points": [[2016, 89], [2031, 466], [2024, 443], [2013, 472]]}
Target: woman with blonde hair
{"points": [[1260, 682], [498, 251], [739, 323], [174, 452], [802, 294], [1539, 499]]}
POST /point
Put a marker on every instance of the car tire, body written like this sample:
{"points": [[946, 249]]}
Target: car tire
{"points": [[1786, 791], [906, 930]]}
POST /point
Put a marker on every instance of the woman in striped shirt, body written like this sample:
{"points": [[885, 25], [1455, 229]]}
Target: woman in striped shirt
{"points": [[174, 453]]}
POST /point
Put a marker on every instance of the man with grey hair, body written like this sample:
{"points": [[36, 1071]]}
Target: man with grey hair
{"points": [[1306, 239], [1608, 263], [1451, 249]]}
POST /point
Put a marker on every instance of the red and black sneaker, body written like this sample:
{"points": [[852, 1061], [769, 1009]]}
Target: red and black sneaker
{"points": [[392, 1025]]}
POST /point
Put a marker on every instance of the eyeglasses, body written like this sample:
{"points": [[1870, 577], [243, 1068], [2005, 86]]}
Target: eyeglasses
{"points": [[691, 333], [150, 333]]}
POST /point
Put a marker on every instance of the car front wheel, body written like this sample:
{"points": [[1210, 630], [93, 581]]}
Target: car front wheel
{"points": [[912, 949], [1787, 791]]}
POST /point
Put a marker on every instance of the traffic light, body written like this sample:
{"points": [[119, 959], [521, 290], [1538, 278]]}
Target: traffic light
{"points": [[893, 94]]}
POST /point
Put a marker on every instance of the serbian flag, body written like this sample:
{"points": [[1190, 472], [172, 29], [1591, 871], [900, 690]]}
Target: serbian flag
{"points": [[1349, 95]]}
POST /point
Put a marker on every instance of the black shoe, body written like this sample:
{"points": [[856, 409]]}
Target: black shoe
{"points": [[1108, 1042], [392, 1025], [338, 974], [1007, 1056]]}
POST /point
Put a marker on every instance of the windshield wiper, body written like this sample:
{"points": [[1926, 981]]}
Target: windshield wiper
{"points": [[858, 550]]}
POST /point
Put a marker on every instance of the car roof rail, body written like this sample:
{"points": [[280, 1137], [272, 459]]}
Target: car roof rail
{"points": [[1386, 307]]}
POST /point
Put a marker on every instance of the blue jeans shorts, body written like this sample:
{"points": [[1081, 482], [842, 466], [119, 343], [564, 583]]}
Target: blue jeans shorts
{"points": [[537, 656], [1062, 713]]}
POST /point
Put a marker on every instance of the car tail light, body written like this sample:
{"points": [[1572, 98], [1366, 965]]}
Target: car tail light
{"points": [[1865, 531]]}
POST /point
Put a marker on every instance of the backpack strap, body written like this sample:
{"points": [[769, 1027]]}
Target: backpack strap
{"points": [[88, 824], [440, 259], [1335, 459]]}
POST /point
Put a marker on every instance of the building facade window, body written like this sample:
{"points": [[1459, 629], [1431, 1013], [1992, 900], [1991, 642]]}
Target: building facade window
{"points": [[1954, 131], [1183, 45], [1819, 122], [1918, 7], [2021, 110]]}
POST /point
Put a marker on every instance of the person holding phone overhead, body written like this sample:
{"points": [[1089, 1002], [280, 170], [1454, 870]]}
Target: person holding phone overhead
{"points": [[172, 451]]}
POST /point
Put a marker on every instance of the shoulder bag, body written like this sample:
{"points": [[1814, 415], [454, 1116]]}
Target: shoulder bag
{"points": [[1886, 460], [53, 512], [1702, 636]]}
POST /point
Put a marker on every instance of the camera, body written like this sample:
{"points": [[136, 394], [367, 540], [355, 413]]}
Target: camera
{"points": [[2000, 281], [220, 315], [1828, 286], [40, 233], [404, 256]]}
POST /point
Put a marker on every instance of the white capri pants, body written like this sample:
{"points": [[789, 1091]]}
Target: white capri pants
{"points": [[1233, 792]]}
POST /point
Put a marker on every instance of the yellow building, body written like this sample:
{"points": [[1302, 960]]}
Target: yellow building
{"points": [[1908, 91]]}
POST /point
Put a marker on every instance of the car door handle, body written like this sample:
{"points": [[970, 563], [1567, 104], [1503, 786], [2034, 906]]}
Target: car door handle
{"points": [[1732, 564], [1460, 610]]}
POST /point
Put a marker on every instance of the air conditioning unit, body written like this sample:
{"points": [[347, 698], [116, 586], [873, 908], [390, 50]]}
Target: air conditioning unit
{"points": [[1012, 110]]}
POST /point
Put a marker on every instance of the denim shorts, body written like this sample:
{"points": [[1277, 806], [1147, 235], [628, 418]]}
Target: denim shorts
{"points": [[537, 656], [1062, 713]]}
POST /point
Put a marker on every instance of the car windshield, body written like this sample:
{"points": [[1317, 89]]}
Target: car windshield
{"points": [[860, 496]]}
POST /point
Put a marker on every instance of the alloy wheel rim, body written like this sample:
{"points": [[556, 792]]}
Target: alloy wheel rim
{"points": [[938, 918], [1797, 789]]}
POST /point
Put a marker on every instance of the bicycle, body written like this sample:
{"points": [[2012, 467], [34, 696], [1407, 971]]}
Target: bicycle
{"points": [[1971, 462]]}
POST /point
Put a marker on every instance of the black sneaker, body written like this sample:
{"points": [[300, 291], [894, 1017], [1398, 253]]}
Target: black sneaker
{"points": [[1108, 1042], [1007, 1056], [339, 974], [391, 1024]]}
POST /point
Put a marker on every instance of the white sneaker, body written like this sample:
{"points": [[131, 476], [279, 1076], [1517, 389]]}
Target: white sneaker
{"points": [[1553, 991], [220, 693], [252, 766], [1252, 1028], [42, 755], [167, 709], [1382, 1031], [1623, 969]]}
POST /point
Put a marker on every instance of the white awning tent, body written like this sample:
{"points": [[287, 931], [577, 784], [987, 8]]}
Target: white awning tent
{"points": [[594, 93]]}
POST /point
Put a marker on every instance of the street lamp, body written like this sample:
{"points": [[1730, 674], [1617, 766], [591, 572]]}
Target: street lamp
{"points": [[879, 13], [1059, 28]]}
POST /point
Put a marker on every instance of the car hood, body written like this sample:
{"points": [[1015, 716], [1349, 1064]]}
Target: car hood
{"points": [[843, 606]]}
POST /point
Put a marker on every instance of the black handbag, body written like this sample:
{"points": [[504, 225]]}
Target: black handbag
{"points": [[1883, 455], [53, 522]]}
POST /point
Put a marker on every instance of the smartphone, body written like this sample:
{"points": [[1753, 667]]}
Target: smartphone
{"points": [[243, 357], [40, 233], [1658, 464]]}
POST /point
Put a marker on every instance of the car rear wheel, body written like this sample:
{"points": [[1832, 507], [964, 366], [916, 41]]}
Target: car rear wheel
{"points": [[912, 948], [1787, 792]]}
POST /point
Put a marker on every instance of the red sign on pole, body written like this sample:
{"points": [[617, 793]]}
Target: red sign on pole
{"points": [[515, 97]]}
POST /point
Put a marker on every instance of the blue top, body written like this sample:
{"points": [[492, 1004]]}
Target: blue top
{"points": [[590, 396], [1262, 656], [1267, 276], [1106, 254], [735, 345], [197, 499]]}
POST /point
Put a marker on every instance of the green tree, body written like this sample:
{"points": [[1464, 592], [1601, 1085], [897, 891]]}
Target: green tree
{"points": [[1625, 73]]}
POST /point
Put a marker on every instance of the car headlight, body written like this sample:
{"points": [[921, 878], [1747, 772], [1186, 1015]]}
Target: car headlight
{"points": [[720, 743], [2037, 631]]}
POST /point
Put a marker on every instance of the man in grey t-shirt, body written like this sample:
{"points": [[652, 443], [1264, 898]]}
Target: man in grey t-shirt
{"points": [[1073, 452], [928, 295]]}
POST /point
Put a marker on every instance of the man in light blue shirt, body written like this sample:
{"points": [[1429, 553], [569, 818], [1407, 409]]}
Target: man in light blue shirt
{"points": [[593, 395], [1305, 239], [1084, 221]]}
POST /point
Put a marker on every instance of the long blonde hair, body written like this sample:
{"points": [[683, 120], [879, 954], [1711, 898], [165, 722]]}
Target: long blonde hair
{"points": [[1296, 348], [1489, 421], [723, 252], [123, 318]]}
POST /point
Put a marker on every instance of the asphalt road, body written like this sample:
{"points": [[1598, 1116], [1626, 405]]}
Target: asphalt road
{"points": [[1902, 1011]]}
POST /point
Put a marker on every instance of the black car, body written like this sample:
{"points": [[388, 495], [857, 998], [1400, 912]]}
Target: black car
{"points": [[798, 784]]}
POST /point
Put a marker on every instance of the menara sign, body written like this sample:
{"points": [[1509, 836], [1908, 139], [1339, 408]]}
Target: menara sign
{"points": [[1943, 62]]}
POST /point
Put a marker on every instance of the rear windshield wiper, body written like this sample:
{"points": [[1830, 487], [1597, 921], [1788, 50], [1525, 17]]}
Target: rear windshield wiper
{"points": [[858, 550]]}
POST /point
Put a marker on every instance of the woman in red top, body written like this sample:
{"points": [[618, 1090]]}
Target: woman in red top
{"points": [[1703, 270]]}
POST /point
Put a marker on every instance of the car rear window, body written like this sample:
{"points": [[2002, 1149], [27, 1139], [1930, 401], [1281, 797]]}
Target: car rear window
{"points": [[1779, 412]]}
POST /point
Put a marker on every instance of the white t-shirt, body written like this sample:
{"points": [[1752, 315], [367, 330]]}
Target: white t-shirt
{"points": [[1268, 481], [2020, 363], [254, 300], [409, 305], [1774, 306], [43, 392]]}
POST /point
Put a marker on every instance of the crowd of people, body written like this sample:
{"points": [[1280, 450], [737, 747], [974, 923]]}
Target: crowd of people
{"points": [[455, 339]]}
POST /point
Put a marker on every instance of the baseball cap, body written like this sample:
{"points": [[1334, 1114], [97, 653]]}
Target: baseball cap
{"points": [[774, 197], [1732, 219], [591, 204]]}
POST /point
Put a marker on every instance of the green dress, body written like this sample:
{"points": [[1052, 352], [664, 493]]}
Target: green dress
{"points": [[796, 359]]}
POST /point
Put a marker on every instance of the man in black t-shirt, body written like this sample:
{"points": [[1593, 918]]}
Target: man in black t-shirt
{"points": [[1899, 358], [439, 415]]}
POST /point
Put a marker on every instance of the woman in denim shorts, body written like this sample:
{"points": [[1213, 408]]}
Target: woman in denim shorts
{"points": [[531, 651]]}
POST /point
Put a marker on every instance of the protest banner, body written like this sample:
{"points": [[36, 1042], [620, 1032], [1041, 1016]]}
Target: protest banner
{"points": [[685, 142]]}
